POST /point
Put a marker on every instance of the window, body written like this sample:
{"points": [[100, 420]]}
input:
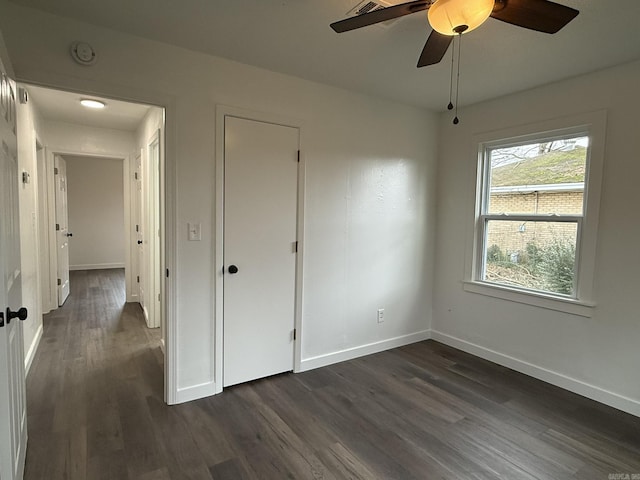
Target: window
{"points": [[532, 212], [536, 214]]}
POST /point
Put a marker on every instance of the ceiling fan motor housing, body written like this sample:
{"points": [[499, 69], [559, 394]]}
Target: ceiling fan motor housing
{"points": [[453, 17]]}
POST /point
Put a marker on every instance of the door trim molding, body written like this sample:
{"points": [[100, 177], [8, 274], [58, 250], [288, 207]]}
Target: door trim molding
{"points": [[154, 252], [194, 392], [33, 348], [125, 158], [223, 111], [170, 185]]}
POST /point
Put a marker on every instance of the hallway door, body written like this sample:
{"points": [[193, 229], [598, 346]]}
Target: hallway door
{"points": [[153, 230], [62, 229], [260, 228], [140, 225], [13, 410]]}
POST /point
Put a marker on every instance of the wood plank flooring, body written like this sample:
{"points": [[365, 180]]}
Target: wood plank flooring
{"points": [[424, 411]]}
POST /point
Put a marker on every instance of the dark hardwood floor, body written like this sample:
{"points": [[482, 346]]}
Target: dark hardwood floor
{"points": [[425, 411]]}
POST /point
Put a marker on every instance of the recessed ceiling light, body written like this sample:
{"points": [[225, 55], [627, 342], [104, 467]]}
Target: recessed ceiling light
{"points": [[86, 102]]}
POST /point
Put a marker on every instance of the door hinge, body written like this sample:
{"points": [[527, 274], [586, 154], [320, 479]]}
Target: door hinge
{"points": [[158, 297], [55, 170], [298, 156], [135, 175], [296, 247], [137, 228], [138, 278], [167, 273], [57, 227], [294, 333], [59, 281]]}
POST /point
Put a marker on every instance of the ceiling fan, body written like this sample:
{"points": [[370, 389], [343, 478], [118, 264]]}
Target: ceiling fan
{"points": [[449, 18]]}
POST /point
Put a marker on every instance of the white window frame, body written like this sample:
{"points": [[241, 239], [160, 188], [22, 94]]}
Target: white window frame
{"points": [[591, 124]]}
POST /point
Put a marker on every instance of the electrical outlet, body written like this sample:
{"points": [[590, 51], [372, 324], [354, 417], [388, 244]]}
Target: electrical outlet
{"points": [[380, 315]]}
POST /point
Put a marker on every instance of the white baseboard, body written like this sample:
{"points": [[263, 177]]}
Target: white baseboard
{"points": [[355, 352], [33, 348], [133, 298], [96, 266], [593, 392], [22, 458], [195, 392]]}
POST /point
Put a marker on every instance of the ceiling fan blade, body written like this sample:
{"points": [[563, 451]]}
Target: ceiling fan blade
{"points": [[540, 15], [435, 48], [381, 15]]}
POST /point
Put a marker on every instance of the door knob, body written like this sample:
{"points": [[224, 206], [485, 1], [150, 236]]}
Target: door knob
{"points": [[139, 242], [69, 234], [232, 269], [21, 314]]}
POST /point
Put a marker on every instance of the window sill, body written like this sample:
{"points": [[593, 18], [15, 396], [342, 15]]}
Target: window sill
{"points": [[565, 305]]}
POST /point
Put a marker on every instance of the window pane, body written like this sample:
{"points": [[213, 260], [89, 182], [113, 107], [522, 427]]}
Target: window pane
{"points": [[538, 178], [536, 255]]}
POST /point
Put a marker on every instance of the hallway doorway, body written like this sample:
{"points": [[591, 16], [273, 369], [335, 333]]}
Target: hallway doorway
{"points": [[104, 150]]}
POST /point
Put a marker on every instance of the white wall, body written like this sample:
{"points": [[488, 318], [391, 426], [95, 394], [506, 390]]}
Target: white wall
{"points": [[75, 139], [95, 198], [597, 356], [152, 122], [369, 183], [29, 126]]}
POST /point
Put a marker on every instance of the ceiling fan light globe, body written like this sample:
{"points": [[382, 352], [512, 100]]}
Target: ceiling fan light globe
{"points": [[448, 17]]}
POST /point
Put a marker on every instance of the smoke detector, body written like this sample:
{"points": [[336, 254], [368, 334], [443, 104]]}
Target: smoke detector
{"points": [[83, 53]]}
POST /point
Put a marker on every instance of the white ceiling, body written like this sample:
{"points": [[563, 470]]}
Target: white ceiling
{"points": [[65, 107], [293, 36]]}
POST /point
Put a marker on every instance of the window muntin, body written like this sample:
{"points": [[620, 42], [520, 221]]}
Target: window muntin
{"points": [[531, 213]]}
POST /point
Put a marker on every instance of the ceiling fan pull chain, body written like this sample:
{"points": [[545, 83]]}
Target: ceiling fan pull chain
{"points": [[453, 54], [455, 119]]}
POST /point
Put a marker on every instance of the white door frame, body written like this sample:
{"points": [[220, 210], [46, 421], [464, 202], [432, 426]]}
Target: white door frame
{"points": [[136, 224], [13, 410], [154, 202], [50, 201], [148, 218], [126, 172], [45, 299], [61, 231], [168, 187], [221, 112]]}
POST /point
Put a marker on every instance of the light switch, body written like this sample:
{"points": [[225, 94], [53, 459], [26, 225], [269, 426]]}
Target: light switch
{"points": [[194, 232]]}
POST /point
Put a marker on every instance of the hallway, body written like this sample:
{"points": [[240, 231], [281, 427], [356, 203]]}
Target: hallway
{"points": [[97, 369]]}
